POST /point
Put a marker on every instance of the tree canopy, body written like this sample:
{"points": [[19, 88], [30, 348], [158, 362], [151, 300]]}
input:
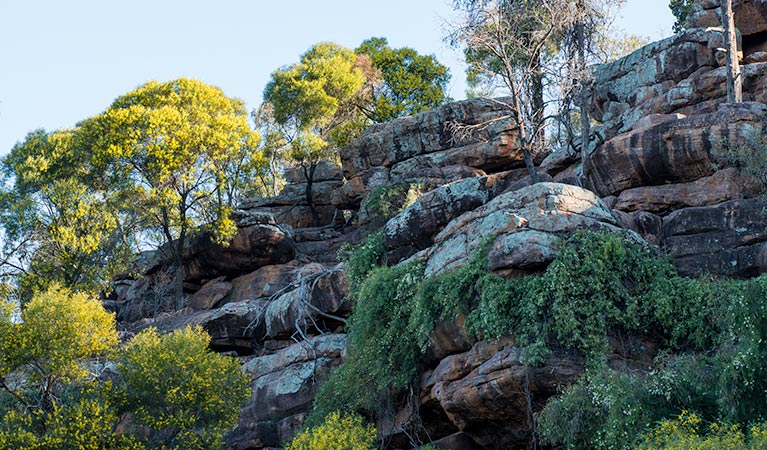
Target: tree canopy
{"points": [[411, 83], [162, 162], [182, 395]]}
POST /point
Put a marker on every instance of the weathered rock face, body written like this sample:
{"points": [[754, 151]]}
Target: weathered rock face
{"points": [[415, 226], [681, 74], [485, 391], [254, 245], [291, 207], [284, 385], [523, 226], [723, 185], [314, 296], [673, 151], [416, 147], [750, 20], [277, 298], [727, 239]]}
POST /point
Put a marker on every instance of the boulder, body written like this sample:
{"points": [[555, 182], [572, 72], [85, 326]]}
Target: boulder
{"points": [[210, 294], [253, 246], [416, 225], [488, 392], [263, 282], [283, 389], [674, 151], [318, 297], [723, 185], [539, 212], [645, 224], [729, 239]]}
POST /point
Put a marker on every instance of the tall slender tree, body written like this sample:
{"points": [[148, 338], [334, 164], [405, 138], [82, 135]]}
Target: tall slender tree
{"points": [[734, 81]]}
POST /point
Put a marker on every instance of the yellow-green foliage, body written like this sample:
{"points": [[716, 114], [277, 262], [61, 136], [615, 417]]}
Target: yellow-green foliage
{"points": [[51, 201], [185, 144], [49, 344], [188, 395], [87, 424], [337, 432], [685, 433], [58, 330]]}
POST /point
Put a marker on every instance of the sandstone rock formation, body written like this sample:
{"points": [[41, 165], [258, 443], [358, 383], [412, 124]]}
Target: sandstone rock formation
{"points": [[290, 206], [428, 146], [523, 226], [276, 297]]}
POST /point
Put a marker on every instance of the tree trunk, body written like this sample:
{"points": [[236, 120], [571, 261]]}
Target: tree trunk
{"points": [[734, 81], [539, 107], [583, 99], [528, 142], [309, 175]]}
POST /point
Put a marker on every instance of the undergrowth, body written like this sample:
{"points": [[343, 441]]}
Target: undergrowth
{"points": [[599, 285], [384, 202]]}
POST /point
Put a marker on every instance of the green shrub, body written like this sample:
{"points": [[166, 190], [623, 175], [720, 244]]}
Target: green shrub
{"points": [[337, 432], [175, 386], [361, 259], [607, 409], [383, 355], [599, 283], [384, 202], [685, 433]]}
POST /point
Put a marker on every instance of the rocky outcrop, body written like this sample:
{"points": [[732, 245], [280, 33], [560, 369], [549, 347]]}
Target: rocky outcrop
{"points": [[723, 185], [672, 151], [750, 20], [291, 207], [276, 296], [682, 75], [254, 245], [414, 228], [728, 239], [283, 388], [470, 135], [522, 227]]}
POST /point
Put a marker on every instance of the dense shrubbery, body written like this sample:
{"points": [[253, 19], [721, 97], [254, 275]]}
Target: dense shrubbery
{"points": [[384, 202], [722, 382], [599, 285], [181, 395], [336, 432]]}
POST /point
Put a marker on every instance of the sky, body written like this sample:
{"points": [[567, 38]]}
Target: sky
{"points": [[65, 61]]}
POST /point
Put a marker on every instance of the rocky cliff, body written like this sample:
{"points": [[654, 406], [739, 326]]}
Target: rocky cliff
{"points": [[276, 297]]}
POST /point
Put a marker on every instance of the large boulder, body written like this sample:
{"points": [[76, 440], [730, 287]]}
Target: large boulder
{"points": [[253, 246], [263, 282], [283, 389], [672, 151], [522, 227], [729, 239], [415, 226], [723, 185], [491, 394]]}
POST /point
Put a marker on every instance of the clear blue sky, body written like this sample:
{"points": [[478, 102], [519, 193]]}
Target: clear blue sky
{"points": [[64, 61]]}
